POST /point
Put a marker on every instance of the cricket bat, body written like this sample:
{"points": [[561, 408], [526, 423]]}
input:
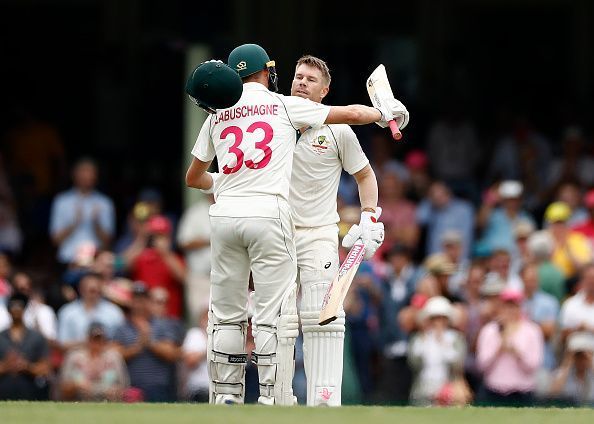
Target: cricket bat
{"points": [[340, 285], [378, 88]]}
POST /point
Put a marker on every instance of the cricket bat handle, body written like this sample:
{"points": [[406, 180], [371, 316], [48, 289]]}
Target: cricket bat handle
{"points": [[396, 134]]}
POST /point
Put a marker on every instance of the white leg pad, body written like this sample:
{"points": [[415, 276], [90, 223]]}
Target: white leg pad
{"points": [[275, 355], [226, 361], [323, 349]]}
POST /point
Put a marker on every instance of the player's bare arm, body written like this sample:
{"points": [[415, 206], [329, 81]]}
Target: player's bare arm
{"points": [[197, 177], [368, 192], [354, 115]]}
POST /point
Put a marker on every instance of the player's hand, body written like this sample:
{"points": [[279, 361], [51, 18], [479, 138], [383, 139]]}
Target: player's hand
{"points": [[214, 176], [369, 230], [393, 109]]}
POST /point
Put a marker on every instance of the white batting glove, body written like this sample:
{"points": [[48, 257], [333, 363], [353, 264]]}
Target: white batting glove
{"points": [[369, 231], [393, 109], [214, 176]]}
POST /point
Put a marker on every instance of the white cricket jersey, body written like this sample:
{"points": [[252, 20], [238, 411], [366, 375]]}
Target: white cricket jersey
{"points": [[254, 143], [320, 156]]}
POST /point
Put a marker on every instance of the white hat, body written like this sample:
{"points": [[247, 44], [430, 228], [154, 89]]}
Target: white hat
{"points": [[510, 189], [580, 342], [437, 306]]}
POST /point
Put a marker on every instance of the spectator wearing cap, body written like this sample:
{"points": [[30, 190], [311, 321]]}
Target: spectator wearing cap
{"points": [[436, 353], [150, 348], [541, 308], [522, 231], [571, 249], [193, 238], [95, 371], [24, 357], [587, 226], [439, 212], [501, 210], [81, 214], [573, 381], [398, 213], [398, 288], [509, 353], [577, 312], [550, 277], [157, 264], [74, 317]]}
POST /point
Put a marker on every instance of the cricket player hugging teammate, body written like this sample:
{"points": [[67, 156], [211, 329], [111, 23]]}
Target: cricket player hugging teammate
{"points": [[271, 216]]}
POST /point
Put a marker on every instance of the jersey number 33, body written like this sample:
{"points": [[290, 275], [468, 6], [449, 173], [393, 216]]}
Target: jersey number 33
{"points": [[235, 149]]}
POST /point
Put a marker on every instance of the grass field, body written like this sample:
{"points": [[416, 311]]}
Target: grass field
{"points": [[78, 413]]}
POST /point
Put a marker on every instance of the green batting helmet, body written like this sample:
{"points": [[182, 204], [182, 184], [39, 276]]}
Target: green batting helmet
{"points": [[214, 85], [248, 59]]}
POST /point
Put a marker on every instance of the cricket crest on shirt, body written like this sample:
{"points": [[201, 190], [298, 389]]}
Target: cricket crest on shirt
{"points": [[320, 144]]}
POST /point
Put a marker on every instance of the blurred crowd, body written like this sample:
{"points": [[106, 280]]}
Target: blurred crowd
{"points": [[482, 293]]}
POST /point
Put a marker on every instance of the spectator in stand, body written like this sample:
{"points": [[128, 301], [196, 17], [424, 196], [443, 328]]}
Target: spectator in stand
{"points": [[419, 179], [500, 263], [541, 308], [525, 156], [398, 213], [157, 264], [571, 194], [81, 214], [149, 347], [454, 152], [95, 371], [24, 364], [577, 312], [571, 249], [397, 290], [74, 317], [159, 299], [551, 279], [509, 352], [135, 231], [193, 238], [5, 272], [11, 238], [522, 231], [573, 381], [439, 212], [451, 242], [587, 226], [362, 323], [194, 349], [501, 210], [575, 164], [436, 354]]}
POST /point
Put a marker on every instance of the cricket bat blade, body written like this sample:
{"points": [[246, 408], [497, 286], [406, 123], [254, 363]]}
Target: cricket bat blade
{"points": [[378, 88], [339, 287]]}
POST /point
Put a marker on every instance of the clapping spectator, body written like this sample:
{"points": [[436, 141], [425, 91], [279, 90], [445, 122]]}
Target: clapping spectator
{"points": [[509, 353], [542, 308], [95, 371], [573, 381], [149, 347], [24, 363], [571, 249], [436, 353], [81, 214], [74, 317]]}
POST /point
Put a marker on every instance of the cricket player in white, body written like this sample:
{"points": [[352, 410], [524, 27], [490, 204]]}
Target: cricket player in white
{"points": [[320, 156], [252, 228]]}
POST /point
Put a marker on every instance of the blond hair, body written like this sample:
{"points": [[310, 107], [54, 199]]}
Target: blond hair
{"points": [[315, 62]]}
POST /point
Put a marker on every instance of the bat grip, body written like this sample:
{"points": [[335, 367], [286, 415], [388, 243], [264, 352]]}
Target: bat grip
{"points": [[396, 134]]}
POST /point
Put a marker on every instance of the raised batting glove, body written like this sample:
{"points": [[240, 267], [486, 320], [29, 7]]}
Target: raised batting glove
{"points": [[393, 109], [215, 176], [369, 231]]}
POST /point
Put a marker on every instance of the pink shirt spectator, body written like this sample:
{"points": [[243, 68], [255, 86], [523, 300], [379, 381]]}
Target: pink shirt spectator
{"points": [[504, 372]]}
